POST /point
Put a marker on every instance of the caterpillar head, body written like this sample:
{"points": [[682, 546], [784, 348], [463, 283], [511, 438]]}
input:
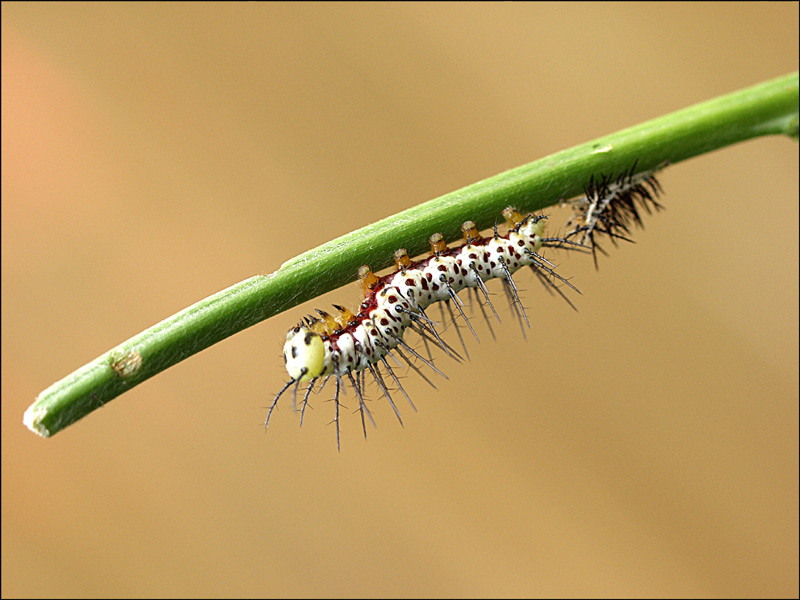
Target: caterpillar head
{"points": [[304, 354]]}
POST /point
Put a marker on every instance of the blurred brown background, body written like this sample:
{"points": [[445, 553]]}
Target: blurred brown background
{"points": [[155, 154]]}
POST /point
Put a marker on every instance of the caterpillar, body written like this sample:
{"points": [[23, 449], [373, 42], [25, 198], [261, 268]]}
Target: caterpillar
{"points": [[344, 348], [610, 205]]}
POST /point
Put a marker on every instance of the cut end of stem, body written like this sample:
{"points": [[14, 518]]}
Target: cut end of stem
{"points": [[33, 420]]}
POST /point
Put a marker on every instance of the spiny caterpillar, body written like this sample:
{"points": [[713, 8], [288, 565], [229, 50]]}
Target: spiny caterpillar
{"points": [[610, 206], [349, 345]]}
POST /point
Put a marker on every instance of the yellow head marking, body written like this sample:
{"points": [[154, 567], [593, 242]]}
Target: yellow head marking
{"points": [[304, 354]]}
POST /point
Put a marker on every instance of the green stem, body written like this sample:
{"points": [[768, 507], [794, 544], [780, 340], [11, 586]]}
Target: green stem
{"points": [[765, 109]]}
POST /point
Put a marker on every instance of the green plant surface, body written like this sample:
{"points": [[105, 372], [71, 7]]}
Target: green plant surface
{"points": [[769, 108]]}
